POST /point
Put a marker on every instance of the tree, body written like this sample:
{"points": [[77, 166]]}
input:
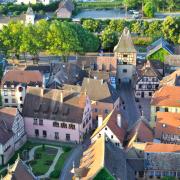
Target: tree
{"points": [[11, 37], [171, 4], [171, 29], [88, 41], [31, 41], [109, 39], [149, 9], [62, 39], [117, 25], [136, 27], [91, 25], [128, 3], [154, 29]]}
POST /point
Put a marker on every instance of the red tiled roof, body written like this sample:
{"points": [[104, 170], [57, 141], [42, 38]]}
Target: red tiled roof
{"points": [[171, 121], [22, 76], [167, 96], [118, 132], [155, 147], [142, 131]]}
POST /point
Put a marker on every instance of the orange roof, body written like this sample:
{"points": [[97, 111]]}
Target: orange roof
{"points": [[172, 122], [111, 122], [93, 159], [167, 96], [22, 76], [155, 147], [141, 132], [169, 118]]}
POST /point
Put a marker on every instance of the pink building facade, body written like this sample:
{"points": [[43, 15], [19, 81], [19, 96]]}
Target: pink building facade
{"points": [[70, 130]]}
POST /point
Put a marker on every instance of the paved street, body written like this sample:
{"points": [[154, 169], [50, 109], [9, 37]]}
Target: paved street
{"points": [[132, 111], [118, 14], [75, 157]]}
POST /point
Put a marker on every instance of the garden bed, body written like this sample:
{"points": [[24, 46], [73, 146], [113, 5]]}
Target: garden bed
{"points": [[43, 159]]}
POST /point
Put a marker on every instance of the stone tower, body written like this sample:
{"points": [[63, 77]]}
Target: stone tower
{"points": [[30, 16]]}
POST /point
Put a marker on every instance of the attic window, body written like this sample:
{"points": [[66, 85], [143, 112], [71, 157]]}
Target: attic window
{"points": [[164, 125]]}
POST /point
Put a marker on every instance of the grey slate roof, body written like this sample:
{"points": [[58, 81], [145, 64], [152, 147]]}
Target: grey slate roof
{"points": [[148, 71], [125, 44], [163, 161], [172, 60], [41, 68], [98, 90], [45, 104], [160, 43], [65, 73], [20, 171], [116, 163], [7, 116]]}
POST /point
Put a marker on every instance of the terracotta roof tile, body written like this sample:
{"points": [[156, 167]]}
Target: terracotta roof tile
{"points": [[19, 76], [167, 96], [171, 122], [93, 159], [155, 147], [111, 122], [140, 132]]}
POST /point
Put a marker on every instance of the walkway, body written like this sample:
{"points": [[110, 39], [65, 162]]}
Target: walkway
{"points": [[51, 168]]}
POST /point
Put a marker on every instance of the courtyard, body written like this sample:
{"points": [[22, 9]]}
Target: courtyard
{"points": [[45, 160]]}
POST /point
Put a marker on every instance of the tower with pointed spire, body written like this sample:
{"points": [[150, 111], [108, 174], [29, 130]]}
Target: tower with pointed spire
{"points": [[125, 53], [30, 16]]}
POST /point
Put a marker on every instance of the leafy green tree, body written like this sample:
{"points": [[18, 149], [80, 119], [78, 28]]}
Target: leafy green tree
{"points": [[31, 41], [88, 41], [154, 29], [129, 3], [62, 39], [171, 29], [117, 25], [91, 25], [149, 9], [11, 37], [171, 4], [109, 39], [136, 27]]}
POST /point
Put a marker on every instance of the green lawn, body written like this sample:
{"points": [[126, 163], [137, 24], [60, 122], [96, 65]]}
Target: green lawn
{"points": [[59, 165], [41, 165], [42, 161]]}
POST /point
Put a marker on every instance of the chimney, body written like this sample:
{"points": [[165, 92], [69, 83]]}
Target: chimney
{"points": [[61, 97], [101, 81], [100, 120], [42, 92], [119, 123]]}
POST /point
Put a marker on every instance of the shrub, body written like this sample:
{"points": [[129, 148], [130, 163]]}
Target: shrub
{"points": [[33, 162], [142, 40], [66, 149], [37, 156], [48, 162]]}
